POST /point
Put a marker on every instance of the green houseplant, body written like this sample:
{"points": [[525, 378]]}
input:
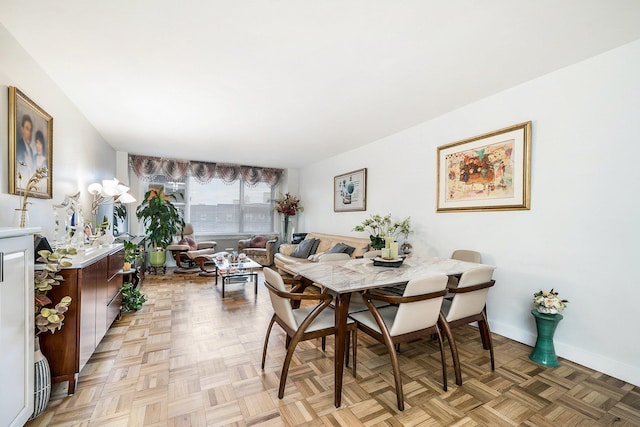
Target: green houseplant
{"points": [[132, 298], [162, 220]]}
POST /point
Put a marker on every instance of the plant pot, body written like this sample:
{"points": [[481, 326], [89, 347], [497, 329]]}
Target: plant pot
{"points": [[157, 258], [42, 381]]}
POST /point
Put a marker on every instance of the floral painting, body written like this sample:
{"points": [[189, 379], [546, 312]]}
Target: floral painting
{"points": [[490, 171], [484, 172]]}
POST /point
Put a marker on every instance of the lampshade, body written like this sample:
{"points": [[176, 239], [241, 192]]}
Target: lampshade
{"points": [[95, 189], [110, 187], [126, 198]]}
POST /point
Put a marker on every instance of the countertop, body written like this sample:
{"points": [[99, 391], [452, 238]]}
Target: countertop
{"points": [[16, 231], [89, 254]]}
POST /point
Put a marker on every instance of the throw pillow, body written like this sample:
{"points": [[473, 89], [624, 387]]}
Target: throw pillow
{"points": [[258, 242], [341, 247], [189, 242], [303, 249], [314, 248]]}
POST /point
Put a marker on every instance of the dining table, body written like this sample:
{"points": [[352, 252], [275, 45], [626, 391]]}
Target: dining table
{"points": [[355, 275]]}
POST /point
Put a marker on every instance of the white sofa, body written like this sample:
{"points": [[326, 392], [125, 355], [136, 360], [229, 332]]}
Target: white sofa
{"points": [[283, 258]]}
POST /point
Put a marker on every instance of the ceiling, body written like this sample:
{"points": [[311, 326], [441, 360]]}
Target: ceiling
{"points": [[284, 83]]}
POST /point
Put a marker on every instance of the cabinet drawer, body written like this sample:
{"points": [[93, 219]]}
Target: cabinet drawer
{"points": [[115, 263]]}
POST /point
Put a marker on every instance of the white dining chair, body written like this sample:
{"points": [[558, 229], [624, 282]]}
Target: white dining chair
{"points": [[305, 323], [469, 305], [414, 315]]}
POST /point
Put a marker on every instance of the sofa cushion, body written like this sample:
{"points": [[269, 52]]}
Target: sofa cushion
{"points": [[189, 242], [258, 242], [314, 248], [304, 249], [341, 247]]}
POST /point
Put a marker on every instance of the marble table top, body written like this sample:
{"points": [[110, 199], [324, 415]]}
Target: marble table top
{"points": [[360, 274]]}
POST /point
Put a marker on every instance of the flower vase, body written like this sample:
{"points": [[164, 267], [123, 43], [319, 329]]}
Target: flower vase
{"points": [[42, 381], [544, 352], [285, 229], [20, 218]]}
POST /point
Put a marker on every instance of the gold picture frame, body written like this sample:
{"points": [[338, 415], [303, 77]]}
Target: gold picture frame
{"points": [[350, 191], [28, 121], [487, 172]]}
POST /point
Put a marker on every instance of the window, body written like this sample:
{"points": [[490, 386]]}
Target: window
{"points": [[217, 207]]}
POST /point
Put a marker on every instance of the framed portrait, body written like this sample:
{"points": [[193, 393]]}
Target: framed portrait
{"points": [[350, 191], [30, 144], [486, 172]]}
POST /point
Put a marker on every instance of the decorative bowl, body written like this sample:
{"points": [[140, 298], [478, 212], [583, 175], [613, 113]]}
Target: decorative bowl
{"points": [[381, 262]]}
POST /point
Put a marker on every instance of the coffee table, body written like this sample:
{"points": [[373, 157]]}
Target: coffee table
{"points": [[230, 272]]}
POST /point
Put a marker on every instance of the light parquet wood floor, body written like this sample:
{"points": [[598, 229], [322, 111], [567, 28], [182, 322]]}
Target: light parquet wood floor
{"points": [[190, 358]]}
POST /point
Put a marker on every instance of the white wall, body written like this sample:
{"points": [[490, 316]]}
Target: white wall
{"points": [[582, 233], [80, 154]]}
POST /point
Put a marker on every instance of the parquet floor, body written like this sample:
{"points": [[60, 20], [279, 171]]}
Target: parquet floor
{"points": [[190, 358]]}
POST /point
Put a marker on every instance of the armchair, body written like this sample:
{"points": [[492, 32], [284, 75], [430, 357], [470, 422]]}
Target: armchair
{"points": [[186, 249], [260, 248]]}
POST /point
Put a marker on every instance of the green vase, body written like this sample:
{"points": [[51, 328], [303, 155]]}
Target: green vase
{"points": [[544, 352]]}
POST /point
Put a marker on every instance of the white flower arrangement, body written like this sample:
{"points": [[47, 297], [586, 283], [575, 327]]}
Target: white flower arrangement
{"points": [[548, 302]]}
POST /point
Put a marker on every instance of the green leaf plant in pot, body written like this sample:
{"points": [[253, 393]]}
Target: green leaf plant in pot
{"points": [[162, 220]]}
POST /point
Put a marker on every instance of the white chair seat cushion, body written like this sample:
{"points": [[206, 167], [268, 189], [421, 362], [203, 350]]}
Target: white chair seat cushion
{"points": [[326, 318], [388, 314], [201, 252]]}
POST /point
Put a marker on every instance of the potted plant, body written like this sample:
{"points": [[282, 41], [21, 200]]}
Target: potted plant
{"points": [[548, 306], [132, 298], [380, 227], [162, 221]]}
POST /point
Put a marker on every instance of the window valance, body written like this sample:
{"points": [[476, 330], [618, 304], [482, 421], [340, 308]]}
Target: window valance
{"points": [[147, 168]]}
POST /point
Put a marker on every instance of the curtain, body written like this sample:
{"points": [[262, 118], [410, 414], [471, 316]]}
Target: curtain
{"points": [[203, 172], [147, 168]]}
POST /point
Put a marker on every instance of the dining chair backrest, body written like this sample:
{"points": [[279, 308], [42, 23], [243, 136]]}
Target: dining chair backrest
{"points": [[469, 303], [414, 316], [467, 255], [340, 256], [281, 306]]}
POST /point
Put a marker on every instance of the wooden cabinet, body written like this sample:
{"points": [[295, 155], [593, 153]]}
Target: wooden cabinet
{"points": [[95, 289], [16, 329]]}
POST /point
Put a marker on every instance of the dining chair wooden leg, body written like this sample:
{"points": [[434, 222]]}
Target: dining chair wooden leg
{"points": [[396, 373], [266, 339], [355, 350], [486, 338], [442, 358], [484, 325], [323, 340], [347, 344], [286, 364], [454, 349]]}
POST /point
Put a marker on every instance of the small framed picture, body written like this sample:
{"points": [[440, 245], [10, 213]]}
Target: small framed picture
{"points": [[350, 191], [30, 144], [486, 172]]}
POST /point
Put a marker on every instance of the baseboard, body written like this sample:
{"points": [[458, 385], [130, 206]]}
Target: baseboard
{"points": [[614, 368]]}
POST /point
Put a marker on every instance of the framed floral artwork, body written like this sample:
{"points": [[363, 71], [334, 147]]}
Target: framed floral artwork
{"points": [[487, 172], [350, 191], [30, 144]]}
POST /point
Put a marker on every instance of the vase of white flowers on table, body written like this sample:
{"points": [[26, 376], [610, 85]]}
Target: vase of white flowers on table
{"points": [[548, 306], [379, 227]]}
